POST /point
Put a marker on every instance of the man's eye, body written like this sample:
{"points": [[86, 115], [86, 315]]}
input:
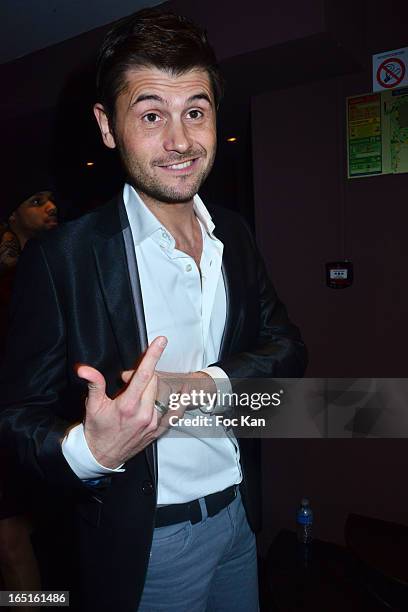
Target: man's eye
{"points": [[151, 118], [195, 114], [36, 202]]}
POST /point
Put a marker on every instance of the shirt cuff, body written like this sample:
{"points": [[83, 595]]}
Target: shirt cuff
{"points": [[224, 390], [80, 459]]}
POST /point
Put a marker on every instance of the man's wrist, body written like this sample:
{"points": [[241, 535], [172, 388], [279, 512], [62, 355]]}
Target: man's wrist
{"points": [[102, 458], [80, 458], [221, 398], [202, 381]]}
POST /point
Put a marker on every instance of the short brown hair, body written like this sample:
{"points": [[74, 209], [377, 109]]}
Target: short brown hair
{"points": [[149, 38]]}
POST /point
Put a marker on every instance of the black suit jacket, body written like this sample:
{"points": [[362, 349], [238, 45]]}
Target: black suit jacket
{"points": [[77, 299]]}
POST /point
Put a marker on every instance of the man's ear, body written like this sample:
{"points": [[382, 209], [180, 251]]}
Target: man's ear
{"points": [[104, 126]]}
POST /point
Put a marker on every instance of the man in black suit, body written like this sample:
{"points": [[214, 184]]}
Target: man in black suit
{"points": [[176, 299]]}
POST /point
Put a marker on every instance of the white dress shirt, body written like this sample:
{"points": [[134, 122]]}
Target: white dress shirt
{"points": [[190, 311]]}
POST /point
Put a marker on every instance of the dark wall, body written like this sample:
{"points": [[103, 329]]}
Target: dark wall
{"points": [[239, 27], [307, 212]]}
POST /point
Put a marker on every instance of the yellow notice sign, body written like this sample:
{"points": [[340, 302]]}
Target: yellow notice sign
{"points": [[364, 135], [377, 133], [395, 112]]}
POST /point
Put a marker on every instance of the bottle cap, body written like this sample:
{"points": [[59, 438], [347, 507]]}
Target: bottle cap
{"points": [[304, 502]]}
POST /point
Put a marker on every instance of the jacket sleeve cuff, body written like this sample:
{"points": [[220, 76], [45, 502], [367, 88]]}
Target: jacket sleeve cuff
{"points": [[224, 390], [79, 457]]}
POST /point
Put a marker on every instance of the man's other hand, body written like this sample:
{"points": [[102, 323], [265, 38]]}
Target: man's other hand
{"points": [[195, 384]]}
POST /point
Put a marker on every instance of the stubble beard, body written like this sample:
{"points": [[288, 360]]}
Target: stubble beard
{"points": [[147, 183]]}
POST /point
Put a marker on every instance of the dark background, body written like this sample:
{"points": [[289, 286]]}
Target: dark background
{"points": [[289, 67]]}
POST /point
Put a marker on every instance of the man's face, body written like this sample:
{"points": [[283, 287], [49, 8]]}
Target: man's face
{"points": [[36, 214], [165, 131]]}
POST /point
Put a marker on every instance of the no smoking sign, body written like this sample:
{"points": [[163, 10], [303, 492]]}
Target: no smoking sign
{"points": [[390, 69]]}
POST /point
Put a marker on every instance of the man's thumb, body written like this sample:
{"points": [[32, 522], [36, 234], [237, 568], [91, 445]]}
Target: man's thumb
{"points": [[96, 382]]}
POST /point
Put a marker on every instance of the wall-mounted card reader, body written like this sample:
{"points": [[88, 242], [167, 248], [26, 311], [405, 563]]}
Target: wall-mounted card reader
{"points": [[339, 274]]}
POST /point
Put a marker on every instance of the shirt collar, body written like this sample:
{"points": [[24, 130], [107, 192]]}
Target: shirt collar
{"points": [[144, 223]]}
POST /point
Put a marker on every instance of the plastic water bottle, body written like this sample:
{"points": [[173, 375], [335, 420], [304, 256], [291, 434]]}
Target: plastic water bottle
{"points": [[304, 522]]}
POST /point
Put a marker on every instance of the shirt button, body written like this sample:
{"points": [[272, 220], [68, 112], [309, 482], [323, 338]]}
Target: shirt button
{"points": [[189, 267], [147, 487]]}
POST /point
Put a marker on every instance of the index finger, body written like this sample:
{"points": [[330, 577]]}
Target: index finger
{"points": [[147, 366]]}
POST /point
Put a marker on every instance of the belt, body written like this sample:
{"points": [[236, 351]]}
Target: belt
{"points": [[191, 511]]}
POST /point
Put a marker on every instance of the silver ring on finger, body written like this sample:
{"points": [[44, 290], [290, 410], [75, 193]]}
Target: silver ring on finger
{"points": [[160, 407]]}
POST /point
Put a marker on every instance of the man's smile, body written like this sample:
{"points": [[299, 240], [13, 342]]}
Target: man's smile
{"points": [[181, 167]]}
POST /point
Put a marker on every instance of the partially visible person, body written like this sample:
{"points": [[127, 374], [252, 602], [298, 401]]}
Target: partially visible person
{"points": [[30, 218], [18, 566]]}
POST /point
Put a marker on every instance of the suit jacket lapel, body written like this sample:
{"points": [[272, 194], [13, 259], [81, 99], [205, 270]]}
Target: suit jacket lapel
{"points": [[119, 281], [232, 282], [115, 283]]}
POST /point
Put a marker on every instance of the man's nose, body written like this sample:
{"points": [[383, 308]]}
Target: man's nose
{"points": [[177, 137], [50, 208]]}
